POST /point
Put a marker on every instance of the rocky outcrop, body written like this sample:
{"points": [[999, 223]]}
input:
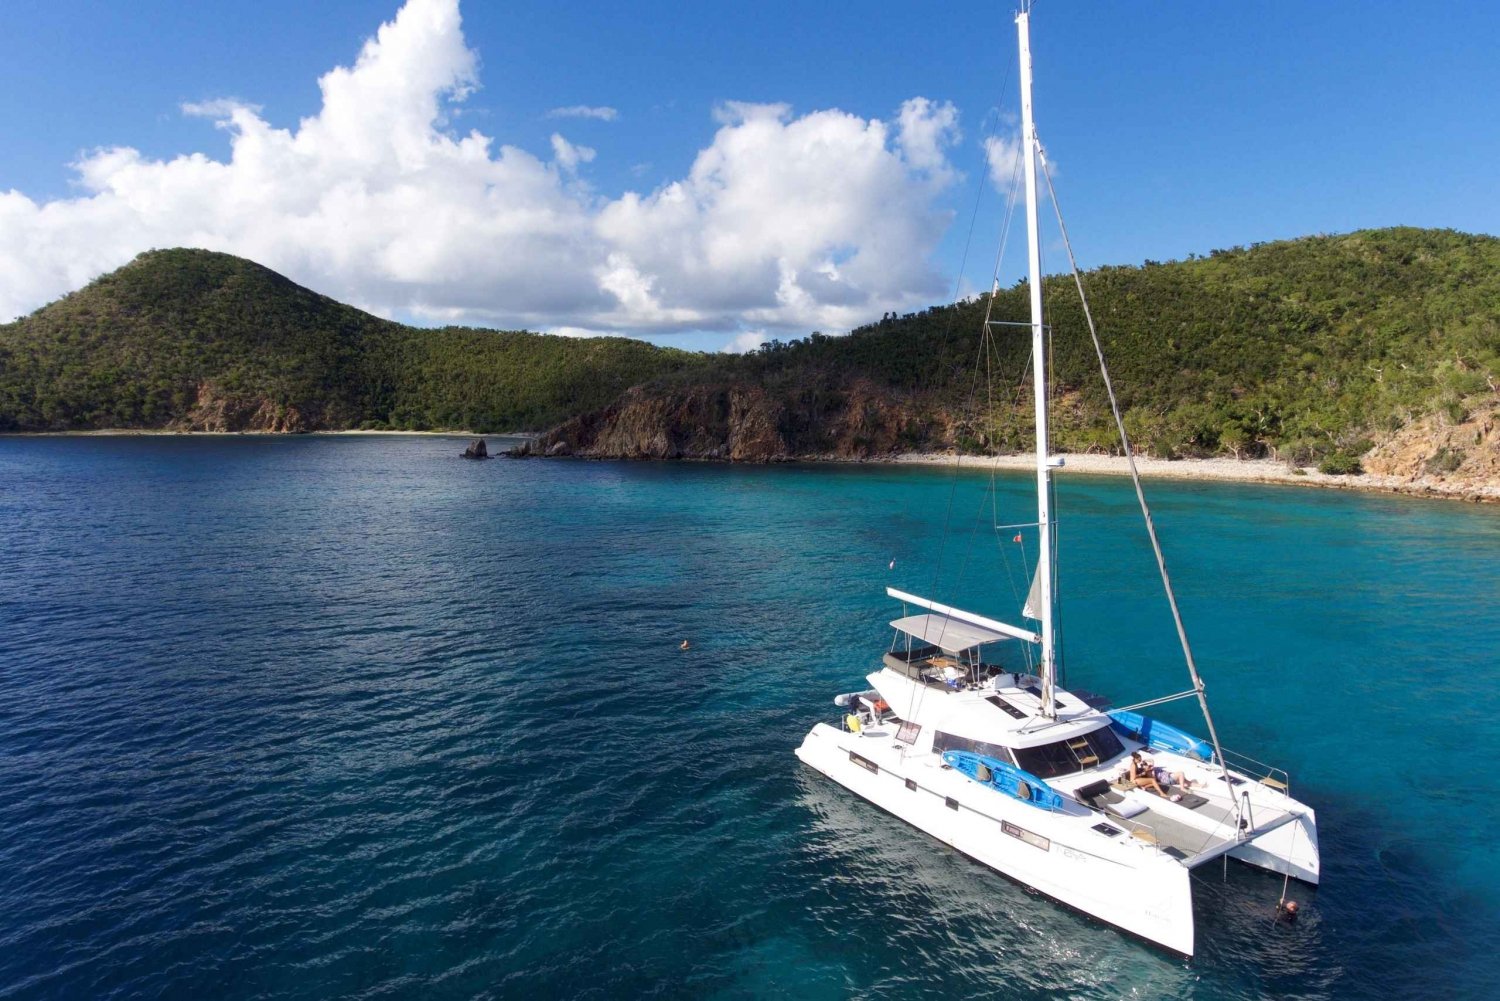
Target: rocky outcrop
{"points": [[852, 420], [477, 450], [216, 410], [1443, 455], [744, 422]]}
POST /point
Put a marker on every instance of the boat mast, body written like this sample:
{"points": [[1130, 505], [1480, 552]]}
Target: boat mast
{"points": [[1039, 370]]}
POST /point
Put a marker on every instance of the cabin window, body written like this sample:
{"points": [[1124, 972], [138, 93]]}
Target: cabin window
{"points": [[1048, 760], [952, 742], [908, 732], [950, 803], [1066, 757], [1105, 744], [911, 784]]}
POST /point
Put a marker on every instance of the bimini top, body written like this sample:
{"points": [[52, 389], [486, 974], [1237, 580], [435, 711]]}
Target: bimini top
{"points": [[947, 633]]}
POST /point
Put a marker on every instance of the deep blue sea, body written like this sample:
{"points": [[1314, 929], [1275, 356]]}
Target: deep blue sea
{"points": [[349, 717]]}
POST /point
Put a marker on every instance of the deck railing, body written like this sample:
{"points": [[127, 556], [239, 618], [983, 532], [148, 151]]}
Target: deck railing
{"points": [[1268, 775]]}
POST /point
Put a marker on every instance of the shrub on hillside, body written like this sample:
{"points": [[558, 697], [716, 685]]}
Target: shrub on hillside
{"points": [[1340, 464]]}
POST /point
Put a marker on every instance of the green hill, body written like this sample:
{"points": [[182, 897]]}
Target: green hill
{"points": [[194, 339], [1304, 349]]}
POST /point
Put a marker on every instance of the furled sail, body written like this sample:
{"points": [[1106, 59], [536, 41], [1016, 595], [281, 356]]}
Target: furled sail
{"points": [[1033, 597]]}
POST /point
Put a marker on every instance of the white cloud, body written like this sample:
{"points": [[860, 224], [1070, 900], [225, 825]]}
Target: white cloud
{"points": [[568, 156], [925, 132], [750, 340], [579, 332], [603, 114], [1003, 155], [782, 223], [221, 109], [811, 221]]}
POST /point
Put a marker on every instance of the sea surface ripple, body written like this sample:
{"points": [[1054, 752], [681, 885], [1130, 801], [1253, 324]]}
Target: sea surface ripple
{"points": [[350, 717]]}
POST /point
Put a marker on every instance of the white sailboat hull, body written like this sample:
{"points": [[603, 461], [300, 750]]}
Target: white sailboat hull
{"points": [[1118, 880], [1291, 850]]}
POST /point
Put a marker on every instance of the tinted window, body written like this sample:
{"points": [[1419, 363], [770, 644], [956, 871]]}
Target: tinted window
{"points": [[1048, 760], [1106, 744], [1063, 757]]}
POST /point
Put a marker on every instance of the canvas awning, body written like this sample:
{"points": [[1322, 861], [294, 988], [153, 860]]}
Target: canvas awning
{"points": [[947, 633]]}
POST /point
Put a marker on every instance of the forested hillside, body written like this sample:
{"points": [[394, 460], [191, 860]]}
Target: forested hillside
{"points": [[1313, 349], [1308, 348], [198, 340]]}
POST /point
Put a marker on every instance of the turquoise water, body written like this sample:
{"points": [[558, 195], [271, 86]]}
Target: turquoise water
{"points": [[350, 717]]}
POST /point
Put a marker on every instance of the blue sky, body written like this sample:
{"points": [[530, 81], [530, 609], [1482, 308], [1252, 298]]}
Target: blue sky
{"points": [[761, 170]]}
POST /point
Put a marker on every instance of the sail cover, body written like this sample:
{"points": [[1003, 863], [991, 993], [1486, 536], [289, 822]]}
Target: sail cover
{"points": [[946, 633], [1033, 597]]}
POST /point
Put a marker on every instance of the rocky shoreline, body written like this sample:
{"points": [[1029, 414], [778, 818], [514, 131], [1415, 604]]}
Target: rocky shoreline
{"points": [[1438, 456], [1216, 469]]}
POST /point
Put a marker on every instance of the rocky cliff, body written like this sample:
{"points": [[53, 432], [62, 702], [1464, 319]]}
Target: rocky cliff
{"points": [[744, 422], [214, 409], [1454, 453], [1458, 447]]}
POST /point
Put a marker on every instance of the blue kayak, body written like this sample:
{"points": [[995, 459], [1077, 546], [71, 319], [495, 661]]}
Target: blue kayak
{"points": [[1005, 778], [1159, 736]]}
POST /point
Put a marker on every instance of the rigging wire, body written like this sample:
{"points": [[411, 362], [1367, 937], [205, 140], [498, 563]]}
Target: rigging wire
{"points": [[957, 287], [987, 338], [1286, 876], [988, 351], [1135, 478]]}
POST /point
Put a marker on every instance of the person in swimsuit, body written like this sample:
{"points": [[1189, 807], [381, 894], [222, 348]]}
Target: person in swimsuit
{"points": [[1146, 775], [1143, 775]]}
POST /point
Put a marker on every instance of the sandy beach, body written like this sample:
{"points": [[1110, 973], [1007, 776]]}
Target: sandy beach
{"points": [[1240, 470]]}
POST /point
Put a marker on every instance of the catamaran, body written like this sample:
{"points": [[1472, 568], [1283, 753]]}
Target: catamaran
{"points": [[985, 752]]}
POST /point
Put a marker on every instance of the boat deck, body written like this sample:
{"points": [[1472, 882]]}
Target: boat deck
{"points": [[1198, 827], [1193, 834], [1178, 839]]}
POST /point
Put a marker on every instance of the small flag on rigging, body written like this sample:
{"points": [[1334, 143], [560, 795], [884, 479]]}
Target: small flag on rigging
{"points": [[1018, 537]]}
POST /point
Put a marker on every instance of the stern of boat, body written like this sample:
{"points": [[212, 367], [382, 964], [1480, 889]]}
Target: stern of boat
{"points": [[1291, 850]]}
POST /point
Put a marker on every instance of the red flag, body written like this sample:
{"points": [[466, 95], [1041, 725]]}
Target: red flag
{"points": [[1018, 537]]}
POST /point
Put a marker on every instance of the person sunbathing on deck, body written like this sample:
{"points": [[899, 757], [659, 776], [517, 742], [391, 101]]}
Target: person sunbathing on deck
{"points": [[1142, 775], [1145, 775]]}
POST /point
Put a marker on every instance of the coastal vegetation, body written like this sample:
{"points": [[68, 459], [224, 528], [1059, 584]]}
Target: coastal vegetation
{"points": [[196, 340], [1310, 350], [1313, 350]]}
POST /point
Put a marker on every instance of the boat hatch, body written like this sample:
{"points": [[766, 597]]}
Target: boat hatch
{"points": [[1010, 710]]}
